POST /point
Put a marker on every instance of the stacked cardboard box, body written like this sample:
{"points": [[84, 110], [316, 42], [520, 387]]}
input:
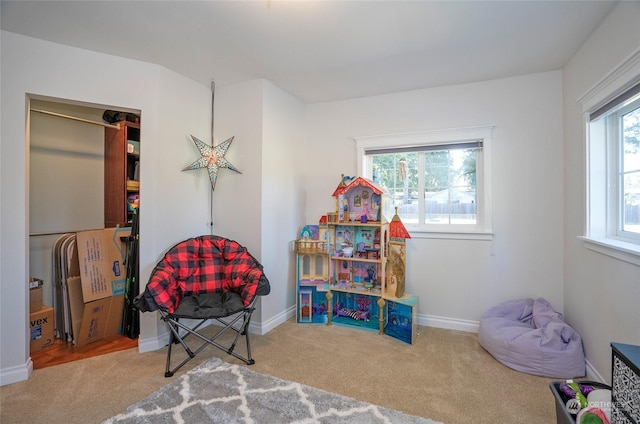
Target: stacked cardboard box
{"points": [[35, 294], [41, 328], [89, 297], [96, 295], [40, 317]]}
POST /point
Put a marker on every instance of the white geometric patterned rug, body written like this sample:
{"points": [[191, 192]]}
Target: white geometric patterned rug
{"points": [[219, 392]]}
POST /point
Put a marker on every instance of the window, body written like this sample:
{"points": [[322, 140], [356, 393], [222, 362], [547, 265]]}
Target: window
{"points": [[438, 180], [613, 207], [610, 110], [628, 171]]}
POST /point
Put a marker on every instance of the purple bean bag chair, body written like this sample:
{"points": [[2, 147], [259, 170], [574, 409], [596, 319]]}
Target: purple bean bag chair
{"points": [[529, 336]]}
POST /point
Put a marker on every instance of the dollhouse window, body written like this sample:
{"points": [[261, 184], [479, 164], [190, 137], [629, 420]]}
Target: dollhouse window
{"points": [[438, 180], [306, 267], [320, 266]]}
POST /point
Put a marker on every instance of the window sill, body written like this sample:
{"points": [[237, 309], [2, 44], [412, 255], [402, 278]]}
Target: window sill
{"points": [[617, 249], [448, 235]]}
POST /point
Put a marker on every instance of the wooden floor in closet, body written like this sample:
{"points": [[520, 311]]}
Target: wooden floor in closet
{"points": [[62, 351]]}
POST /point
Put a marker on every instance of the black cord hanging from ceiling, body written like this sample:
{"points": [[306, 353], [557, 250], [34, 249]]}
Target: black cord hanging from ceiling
{"points": [[213, 97]]}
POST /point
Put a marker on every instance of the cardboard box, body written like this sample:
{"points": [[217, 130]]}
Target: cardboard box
{"points": [[101, 255], [93, 320], [96, 290], [35, 282], [35, 294], [41, 328]]}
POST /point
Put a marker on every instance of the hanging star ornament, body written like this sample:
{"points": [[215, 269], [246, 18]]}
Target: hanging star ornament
{"points": [[212, 158]]}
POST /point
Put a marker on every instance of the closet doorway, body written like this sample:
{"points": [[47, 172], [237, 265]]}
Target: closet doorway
{"points": [[67, 194]]}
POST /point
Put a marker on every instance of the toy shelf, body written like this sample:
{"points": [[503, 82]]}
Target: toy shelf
{"points": [[355, 259], [358, 289], [357, 223]]}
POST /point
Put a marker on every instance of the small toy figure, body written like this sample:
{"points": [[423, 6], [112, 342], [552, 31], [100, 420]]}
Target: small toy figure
{"points": [[371, 275], [347, 237], [365, 212]]}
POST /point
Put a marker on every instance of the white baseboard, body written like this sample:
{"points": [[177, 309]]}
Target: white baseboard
{"points": [[151, 344], [260, 328], [263, 328], [473, 326], [593, 374], [15, 374], [22, 372], [448, 323]]}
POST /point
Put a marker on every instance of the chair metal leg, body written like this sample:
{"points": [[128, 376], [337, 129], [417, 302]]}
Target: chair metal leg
{"points": [[238, 323], [246, 335], [168, 373], [174, 337]]}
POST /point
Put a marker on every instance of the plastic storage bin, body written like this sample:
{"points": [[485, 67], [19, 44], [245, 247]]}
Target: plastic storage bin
{"points": [[562, 414]]}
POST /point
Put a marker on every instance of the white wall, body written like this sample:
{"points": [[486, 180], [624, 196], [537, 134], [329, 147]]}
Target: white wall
{"points": [[174, 205], [283, 197], [457, 280], [66, 180], [263, 207], [238, 197], [601, 294], [62, 149]]}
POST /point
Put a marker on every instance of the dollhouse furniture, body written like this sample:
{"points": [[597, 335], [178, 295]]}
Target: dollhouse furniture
{"points": [[306, 300], [625, 383], [355, 264], [201, 279], [529, 336]]}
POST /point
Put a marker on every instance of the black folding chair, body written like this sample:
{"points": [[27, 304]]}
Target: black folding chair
{"points": [[205, 279]]}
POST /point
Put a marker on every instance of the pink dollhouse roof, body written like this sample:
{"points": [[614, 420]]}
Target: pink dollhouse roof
{"points": [[397, 229], [357, 182]]}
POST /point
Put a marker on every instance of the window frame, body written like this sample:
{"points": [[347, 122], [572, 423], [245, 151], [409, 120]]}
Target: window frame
{"points": [[600, 233], [616, 201], [483, 229]]}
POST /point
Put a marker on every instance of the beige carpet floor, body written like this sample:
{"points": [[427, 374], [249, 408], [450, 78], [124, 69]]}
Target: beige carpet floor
{"points": [[446, 376]]}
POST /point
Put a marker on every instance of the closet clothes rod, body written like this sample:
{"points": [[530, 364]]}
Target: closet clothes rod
{"points": [[60, 233], [75, 118]]}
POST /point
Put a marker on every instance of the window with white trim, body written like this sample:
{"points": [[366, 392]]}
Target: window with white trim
{"points": [[614, 169], [438, 180]]}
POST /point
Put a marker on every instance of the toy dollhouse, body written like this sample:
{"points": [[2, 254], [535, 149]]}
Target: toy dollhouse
{"points": [[351, 266]]}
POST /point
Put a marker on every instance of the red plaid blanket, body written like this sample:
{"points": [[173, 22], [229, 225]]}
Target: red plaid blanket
{"points": [[204, 264]]}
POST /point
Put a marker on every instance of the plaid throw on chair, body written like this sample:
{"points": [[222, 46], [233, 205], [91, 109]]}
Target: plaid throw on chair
{"points": [[205, 264]]}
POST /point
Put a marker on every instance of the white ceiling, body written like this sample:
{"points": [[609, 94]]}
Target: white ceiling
{"points": [[322, 50]]}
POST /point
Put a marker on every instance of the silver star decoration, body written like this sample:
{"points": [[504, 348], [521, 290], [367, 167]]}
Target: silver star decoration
{"points": [[212, 158]]}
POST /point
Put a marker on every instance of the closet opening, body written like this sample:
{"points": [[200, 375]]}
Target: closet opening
{"points": [[83, 171]]}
